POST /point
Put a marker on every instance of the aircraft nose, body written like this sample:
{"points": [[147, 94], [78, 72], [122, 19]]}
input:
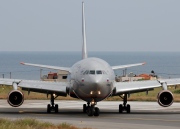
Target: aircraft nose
{"points": [[96, 81]]}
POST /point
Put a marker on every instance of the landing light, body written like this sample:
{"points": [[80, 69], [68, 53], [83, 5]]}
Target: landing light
{"points": [[99, 92], [92, 103], [91, 92]]}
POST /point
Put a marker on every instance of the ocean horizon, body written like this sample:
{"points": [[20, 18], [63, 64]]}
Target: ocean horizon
{"points": [[164, 64]]}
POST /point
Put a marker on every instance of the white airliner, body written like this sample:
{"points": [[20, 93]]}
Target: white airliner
{"points": [[90, 79]]}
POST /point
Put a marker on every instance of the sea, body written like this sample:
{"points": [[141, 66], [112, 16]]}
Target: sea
{"points": [[164, 64]]}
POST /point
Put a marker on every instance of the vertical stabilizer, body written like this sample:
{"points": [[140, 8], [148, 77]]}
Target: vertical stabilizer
{"points": [[84, 49]]}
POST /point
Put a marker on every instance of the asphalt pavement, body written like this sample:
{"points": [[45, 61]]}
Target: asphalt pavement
{"points": [[144, 115]]}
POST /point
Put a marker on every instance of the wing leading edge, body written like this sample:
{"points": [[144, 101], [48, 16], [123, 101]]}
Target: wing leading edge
{"points": [[47, 66], [139, 86], [59, 88]]}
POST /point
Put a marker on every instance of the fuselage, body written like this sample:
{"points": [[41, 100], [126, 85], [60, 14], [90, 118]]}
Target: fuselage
{"points": [[91, 79]]}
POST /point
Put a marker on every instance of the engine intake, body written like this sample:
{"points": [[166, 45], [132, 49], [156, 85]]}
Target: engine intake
{"points": [[15, 98], [165, 98]]}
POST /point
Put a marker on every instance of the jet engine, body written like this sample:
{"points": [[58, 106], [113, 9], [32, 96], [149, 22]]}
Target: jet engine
{"points": [[15, 98], [165, 98]]}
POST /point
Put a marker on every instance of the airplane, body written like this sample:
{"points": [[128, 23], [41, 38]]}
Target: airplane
{"points": [[90, 79]]}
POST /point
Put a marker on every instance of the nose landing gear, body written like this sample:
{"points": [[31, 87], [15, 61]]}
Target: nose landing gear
{"points": [[91, 109]]}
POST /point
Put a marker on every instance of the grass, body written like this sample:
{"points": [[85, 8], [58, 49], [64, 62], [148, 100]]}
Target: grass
{"points": [[33, 124], [176, 91], [141, 96]]}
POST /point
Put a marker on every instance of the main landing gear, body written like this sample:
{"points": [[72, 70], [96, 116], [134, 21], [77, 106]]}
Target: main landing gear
{"points": [[52, 106], [125, 107], [91, 109]]}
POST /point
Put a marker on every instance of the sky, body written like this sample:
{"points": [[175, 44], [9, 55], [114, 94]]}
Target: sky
{"points": [[111, 25]]}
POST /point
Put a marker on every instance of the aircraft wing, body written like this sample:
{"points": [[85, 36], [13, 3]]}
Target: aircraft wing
{"points": [[139, 86], [127, 66], [170, 82], [47, 66], [59, 88]]}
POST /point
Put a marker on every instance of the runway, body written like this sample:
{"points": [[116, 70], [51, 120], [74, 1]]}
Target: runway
{"points": [[147, 115]]}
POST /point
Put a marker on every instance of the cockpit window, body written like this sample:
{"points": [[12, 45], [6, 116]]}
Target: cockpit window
{"points": [[104, 72], [92, 72], [98, 72], [86, 72]]}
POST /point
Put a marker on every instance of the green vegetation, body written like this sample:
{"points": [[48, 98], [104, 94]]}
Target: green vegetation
{"points": [[32, 124], [176, 91]]}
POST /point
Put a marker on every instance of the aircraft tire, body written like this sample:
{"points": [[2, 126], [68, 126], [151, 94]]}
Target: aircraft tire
{"points": [[128, 109], [90, 111], [120, 108], [56, 108], [84, 108], [48, 108], [96, 112]]}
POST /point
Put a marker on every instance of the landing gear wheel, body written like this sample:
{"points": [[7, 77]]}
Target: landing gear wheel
{"points": [[128, 108], [125, 107], [84, 108], [120, 108], [48, 108], [52, 106], [96, 112], [56, 108], [90, 111]]}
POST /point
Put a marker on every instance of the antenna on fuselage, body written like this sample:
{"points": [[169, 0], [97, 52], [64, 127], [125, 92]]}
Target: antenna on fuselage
{"points": [[84, 49]]}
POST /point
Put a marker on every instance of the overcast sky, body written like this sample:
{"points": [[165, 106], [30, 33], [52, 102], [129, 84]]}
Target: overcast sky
{"points": [[111, 25]]}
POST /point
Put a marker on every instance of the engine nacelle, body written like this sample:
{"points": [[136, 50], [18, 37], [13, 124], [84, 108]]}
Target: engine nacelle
{"points": [[165, 98], [15, 98]]}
